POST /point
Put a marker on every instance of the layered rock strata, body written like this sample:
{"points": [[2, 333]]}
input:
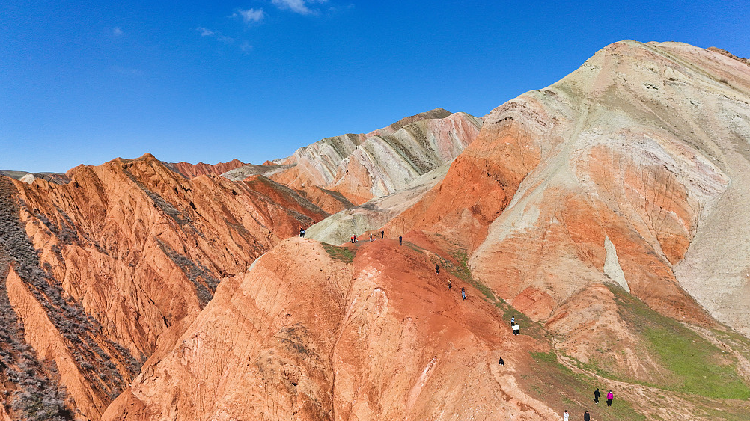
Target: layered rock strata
{"points": [[100, 269], [380, 338], [366, 166], [194, 170]]}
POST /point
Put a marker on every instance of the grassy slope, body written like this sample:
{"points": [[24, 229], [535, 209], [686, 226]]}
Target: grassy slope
{"points": [[698, 370], [696, 365]]}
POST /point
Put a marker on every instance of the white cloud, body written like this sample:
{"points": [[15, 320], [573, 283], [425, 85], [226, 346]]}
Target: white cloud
{"points": [[118, 32], [297, 6], [205, 32], [246, 47], [250, 15]]}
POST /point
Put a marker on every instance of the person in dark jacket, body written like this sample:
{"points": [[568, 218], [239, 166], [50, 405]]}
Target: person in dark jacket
{"points": [[586, 416], [597, 394], [437, 269], [400, 240]]}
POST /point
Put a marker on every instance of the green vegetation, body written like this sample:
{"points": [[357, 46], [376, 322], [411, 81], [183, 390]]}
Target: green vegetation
{"points": [[556, 384], [339, 253], [697, 366]]}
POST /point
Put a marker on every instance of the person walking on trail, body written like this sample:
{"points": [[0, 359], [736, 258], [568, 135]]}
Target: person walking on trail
{"points": [[463, 293], [400, 240], [512, 321], [501, 362], [565, 415], [597, 394], [610, 396], [516, 329], [382, 235], [437, 269], [371, 237], [586, 416], [302, 232], [450, 284], [351, 239]]}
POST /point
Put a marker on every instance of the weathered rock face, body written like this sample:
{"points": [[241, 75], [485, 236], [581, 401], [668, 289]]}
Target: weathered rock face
{"points": [[100, 269], [194, 170], [630, 170], [382, 338], [640, 153], [371, 217], [365, 166]]}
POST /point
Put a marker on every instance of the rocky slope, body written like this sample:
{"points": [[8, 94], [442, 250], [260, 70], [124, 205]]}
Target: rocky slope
{"points": [[629, 172], [365, 166], [194, 170], [642, 154], [626, 170], [380, 338], [99, 270]]}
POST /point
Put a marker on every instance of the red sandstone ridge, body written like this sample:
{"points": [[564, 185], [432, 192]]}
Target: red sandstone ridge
{"points": [[121, 255], [194, 170], [305, 336]]}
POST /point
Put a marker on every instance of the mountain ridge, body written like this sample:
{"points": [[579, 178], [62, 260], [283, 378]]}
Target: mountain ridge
{"points": [[606, 213]]}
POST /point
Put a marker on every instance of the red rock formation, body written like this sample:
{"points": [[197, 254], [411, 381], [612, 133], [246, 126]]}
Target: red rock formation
{"points": [[194, 170], [480, 183], [382, 339], [139, 248]]}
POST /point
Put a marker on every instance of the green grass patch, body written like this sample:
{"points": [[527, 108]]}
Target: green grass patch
{"points": [[339, 253], [696, 365], [562, 388]]}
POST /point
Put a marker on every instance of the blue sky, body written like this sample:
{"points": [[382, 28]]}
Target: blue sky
{"points": [[83, 82]]}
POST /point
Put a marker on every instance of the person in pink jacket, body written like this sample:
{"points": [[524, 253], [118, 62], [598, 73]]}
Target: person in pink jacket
{"points": [[610, 396]]}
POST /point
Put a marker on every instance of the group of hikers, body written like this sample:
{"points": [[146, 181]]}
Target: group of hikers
{"points": [[353, 239], [597, 395]]}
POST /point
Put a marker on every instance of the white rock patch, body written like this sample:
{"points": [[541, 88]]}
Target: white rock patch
{"points": [[612, 265]]}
